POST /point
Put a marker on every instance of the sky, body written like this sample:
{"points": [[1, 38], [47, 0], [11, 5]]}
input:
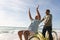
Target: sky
{"points": [[15, 12]]}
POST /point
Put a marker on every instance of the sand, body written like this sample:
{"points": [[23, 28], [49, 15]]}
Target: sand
{"points": [[14, 36]]}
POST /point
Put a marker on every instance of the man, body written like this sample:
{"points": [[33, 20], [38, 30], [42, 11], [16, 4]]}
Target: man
{"points": [[48, 24], [33, 27]]}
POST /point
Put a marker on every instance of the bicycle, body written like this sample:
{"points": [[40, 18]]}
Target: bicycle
{"points": [[39, 36]]}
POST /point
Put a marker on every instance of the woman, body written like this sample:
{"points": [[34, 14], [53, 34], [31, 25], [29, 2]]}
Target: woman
{"points": [[33, 27]]}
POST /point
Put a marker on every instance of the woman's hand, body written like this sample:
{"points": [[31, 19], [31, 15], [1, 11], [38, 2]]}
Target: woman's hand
{"points": [[37, 7]]}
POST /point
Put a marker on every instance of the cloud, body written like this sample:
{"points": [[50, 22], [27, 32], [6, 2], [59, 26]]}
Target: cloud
{"points": [[15, 12], [9, 12]]}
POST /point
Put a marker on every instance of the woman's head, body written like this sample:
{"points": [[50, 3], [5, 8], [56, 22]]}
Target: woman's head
{"points": [[37, 17]]}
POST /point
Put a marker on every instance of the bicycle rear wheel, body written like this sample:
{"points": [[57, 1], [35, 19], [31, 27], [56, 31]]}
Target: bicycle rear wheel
{"points": [[54, 34]]}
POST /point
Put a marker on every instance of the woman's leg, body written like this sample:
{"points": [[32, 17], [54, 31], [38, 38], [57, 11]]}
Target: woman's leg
{"points": [[26, 34], [20, 34]]}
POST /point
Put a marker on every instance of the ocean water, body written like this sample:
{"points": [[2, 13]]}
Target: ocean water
{"points": [[11, 33]]}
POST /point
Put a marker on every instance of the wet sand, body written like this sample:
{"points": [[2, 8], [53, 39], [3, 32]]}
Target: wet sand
{"points": [[14, 36], [58, 35], [59, 38]]}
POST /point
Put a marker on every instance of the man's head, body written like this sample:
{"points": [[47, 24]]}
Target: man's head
{"points": [[47, 12]]}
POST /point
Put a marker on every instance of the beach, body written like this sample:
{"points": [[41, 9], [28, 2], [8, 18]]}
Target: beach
{"points": [[59, 36], [13, 35]]}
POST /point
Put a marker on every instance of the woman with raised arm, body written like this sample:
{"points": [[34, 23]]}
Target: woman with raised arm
{"points": [[33, 27]]}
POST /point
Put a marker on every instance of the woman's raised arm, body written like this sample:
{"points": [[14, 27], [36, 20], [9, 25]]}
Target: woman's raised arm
{"points": [[38, 13], [30, 14]]}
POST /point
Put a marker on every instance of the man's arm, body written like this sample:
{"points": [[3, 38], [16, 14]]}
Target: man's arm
{"points": [[30, 15], [38, 12], [42, 20]]}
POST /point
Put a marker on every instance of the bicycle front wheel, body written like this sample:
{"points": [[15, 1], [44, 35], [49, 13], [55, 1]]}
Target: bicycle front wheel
{"points": [[34, 38]]}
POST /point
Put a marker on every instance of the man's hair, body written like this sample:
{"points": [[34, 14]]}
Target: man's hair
{"points": [[48, 10]]}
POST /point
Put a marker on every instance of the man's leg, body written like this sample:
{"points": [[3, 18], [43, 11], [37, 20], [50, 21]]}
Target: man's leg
{"points": [[50, 33], [44, 31], [20, 34], [26, 34]]}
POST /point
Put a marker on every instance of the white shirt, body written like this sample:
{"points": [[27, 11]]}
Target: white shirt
{"points": [[48, 20], [34, 25]]}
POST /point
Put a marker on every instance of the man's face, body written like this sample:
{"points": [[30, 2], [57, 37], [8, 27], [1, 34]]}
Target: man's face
{"points": [[47, 12]]}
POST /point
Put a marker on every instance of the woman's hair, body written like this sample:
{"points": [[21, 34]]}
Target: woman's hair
{"points": [[36, 17]]}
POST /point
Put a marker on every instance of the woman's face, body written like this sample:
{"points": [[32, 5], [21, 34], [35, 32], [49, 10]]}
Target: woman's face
{"points": [[36, 17]]}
